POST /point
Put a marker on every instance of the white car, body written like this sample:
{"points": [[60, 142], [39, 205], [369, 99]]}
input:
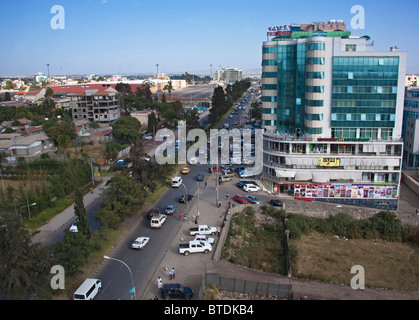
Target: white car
{"points": [[203, 237], [140, 242], [74, 227], [251, 187]]}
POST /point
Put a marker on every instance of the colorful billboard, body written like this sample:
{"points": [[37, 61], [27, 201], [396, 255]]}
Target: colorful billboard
{"points": [[354, 191]]}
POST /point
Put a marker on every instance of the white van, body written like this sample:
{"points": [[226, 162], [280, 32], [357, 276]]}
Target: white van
{"points": [[176, 182], [157, 221], [88, 290]]}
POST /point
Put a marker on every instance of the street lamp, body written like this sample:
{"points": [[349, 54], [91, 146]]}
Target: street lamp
{"points": [[158, 90], [186, 200], [132, 279], [29, 205]]}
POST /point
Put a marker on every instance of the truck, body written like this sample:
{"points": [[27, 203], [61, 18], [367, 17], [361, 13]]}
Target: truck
{"points": [[194, 246], [202, 229]]}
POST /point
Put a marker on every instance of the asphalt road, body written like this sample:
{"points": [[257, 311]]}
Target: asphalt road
{"points": [[115, 276]]}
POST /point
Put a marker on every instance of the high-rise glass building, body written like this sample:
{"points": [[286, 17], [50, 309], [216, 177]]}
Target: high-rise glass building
{"points": [[332, 109]]}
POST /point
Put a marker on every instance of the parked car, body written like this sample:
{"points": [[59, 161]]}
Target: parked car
{"points": [[177, 291], [251, 188], [152, 212], [195, 247], [171, 208], [253, 199], [275, 203], [213, 169], [241, 183], [203, 237], [185, 197], [202, 229], [140, 242], [240, 199]]}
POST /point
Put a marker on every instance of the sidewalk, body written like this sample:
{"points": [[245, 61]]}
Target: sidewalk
{"points": [[67, 215]]}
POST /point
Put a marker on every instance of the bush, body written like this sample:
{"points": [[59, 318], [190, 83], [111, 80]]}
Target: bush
{"points": [[388, 225]]}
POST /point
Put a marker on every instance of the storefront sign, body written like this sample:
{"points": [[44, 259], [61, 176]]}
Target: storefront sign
{"points": [[329, 162]]}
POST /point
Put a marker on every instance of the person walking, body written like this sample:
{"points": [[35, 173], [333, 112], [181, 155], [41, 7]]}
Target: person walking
{"points": [[227, 196], [180, 216], [159, 283], [172, 274], [206, 185]]}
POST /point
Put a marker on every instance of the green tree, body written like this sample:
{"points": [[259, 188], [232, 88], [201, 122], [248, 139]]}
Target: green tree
{"points": [[123, 196], [169, 87], [24, 268], [126, 129], [152, 123], [72, 252], [188, 78], [192, 120]]}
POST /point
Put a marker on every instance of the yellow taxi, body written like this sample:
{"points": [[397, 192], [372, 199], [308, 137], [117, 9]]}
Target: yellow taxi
{"points": [[186, 170]]}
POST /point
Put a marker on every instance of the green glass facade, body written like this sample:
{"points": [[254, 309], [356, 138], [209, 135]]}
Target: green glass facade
{"points": [[364, 95]]}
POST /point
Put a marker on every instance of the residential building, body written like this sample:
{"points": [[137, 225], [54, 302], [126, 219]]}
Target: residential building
{"points": [[332, 109], [95, 105], [228, 75], [30, 147]]}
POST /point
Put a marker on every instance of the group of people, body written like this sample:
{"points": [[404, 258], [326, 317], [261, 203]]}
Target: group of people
{"points": [[160, 281]]}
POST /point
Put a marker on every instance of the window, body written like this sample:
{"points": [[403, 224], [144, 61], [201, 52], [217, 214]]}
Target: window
{"points": [[350, 75], [350, 47]]}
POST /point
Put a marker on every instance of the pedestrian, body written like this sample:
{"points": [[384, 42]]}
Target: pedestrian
{"points": [[218, 231], [229, 204], [227, 196], [159, 283], [172, 274], [180, 216], [206, 184]]}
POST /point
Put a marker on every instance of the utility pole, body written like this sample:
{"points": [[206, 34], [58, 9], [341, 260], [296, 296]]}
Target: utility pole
{"points": [[158, 90], [49, 81]]}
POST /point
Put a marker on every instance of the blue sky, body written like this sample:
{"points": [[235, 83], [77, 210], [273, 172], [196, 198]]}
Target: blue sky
{"points": [[132, 36]]}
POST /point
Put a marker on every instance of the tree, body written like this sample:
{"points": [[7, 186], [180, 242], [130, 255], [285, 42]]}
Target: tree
{"points": [[124, 90], [169, 88], [126, 129], [24, 265], [48, 93], [152, 123], [188, 78], [123, 196], [192, 120]]}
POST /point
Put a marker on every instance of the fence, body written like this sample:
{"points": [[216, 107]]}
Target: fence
{"points": [[245, 286]]}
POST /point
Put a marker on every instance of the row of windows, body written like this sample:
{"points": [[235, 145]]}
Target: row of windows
{"points": [[355, 110], [314, 130], [413, 104], [359, 124], [315, 60], [269, 74], [269, 99], [362, 89], [362, 96], [363, 103], [269, 87], [366, 61], [268, 123], [314, 103], [315, 75], [340, 68], [362, 117], [371, 133], [314, 116], [316, 46], [268, 110], [315, 89], [364, 75]]}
